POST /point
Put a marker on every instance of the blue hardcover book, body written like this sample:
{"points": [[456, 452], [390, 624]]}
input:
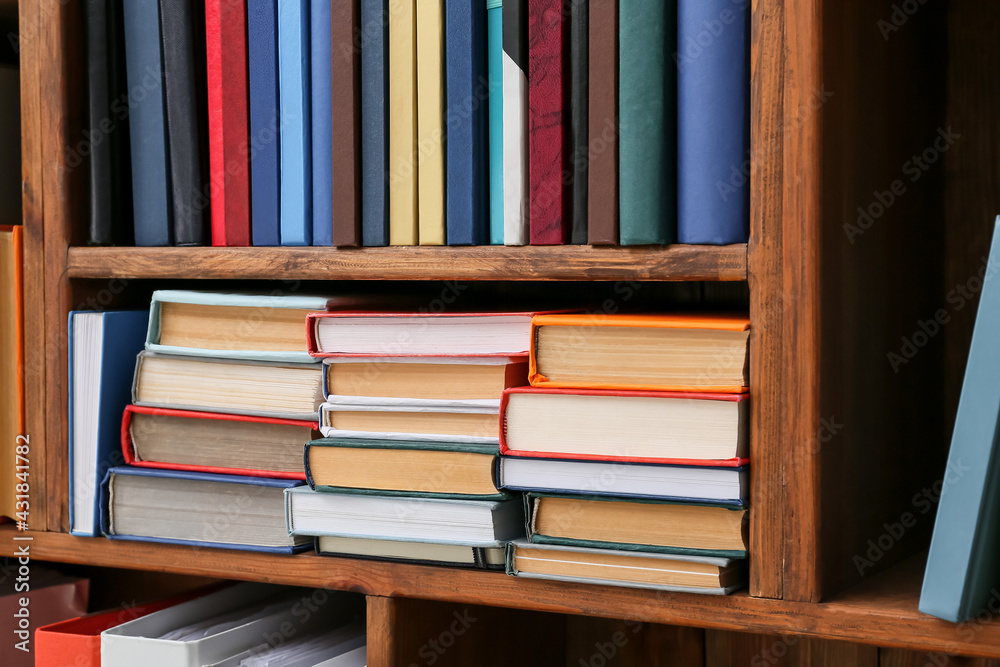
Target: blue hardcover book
{"points": [[152, 204], [494, 18], [963, 565], [197, 508], [713, 122], [102, 351], [296, 130], [265, 134], [374, 123], [467, 91], [322, 123]]}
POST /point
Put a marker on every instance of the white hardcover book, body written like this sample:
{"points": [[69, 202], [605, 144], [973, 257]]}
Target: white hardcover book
{"points": [[515, 124]]}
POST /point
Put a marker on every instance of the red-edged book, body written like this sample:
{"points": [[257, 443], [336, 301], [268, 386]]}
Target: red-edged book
{"points": [[548, 123], [676, 428], [228, 121], [216, 443], [414, 334], [77, 642]]}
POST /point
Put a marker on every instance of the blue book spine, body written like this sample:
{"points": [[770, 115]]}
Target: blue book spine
{"points": [[296, 148], [494, 10], [713, 122], [374, 127], [963, 564], [265, 135], [467, 84], [147, 125], [322, 123]]}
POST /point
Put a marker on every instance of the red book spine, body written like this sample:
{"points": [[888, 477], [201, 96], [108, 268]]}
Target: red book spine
{"points": [[548, 126], [228, 121]]}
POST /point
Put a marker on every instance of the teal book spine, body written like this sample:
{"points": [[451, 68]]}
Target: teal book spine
{"points": [[647, 122], [963, 565], [494, 18]]}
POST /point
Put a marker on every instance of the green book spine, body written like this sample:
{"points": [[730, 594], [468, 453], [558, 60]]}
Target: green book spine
{"points": [[647, 100]]}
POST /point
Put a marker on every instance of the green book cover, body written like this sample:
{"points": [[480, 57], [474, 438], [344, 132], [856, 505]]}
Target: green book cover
{"points": [[647, 123]]}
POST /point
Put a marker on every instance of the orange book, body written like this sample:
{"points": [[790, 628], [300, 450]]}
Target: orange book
{"points": [[675, 352], [11, 359]]}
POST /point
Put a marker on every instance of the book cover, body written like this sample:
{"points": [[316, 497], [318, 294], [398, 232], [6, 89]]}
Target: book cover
{"points": [[128, 449], [962, 565], [516, 210], [732, 462], [713, 122], [647, 122], [342, 186], [182, 24], [265, 134], [151, 189], [579, 128], [468, 160], [494, 18], [402, 120], [107, 118], [228, 121], [675, 321], [430, 122], [374, 123], [602, 116], [296, 134], [549, 150], [321, 88], [238, 480], [119, 337], [415, 553]]}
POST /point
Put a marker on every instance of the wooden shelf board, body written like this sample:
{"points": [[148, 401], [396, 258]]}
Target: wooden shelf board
{"points": [[883, 611], [675, 262]]}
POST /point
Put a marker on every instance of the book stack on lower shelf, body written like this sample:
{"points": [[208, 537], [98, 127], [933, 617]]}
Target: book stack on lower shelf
{"points": [[631, 445]]}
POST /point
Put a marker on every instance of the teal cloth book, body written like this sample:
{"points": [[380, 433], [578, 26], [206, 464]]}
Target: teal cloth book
{"points": [[494, 18], [418, 468], [647, 108], [963, 566], [229, 326]]}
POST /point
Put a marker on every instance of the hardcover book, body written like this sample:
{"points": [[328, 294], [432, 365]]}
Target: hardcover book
{"points": [[602, 116], [321, 86], [440, 378], [516, 209], [402, 418], [214, 442], [962, 565], [374, 123], [265, 136], [398, 467], [472, 523], [579, 130], [402, 121], [296, 126], [102, 349], [340, 185], [201, 509], [431, 76], [494, 18], [422, 553]]}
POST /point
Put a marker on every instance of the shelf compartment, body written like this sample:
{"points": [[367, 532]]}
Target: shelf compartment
{"points": [[882, 611], [675, 262]]}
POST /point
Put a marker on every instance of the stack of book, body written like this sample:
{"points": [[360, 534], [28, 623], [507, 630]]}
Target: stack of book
{"points": [[398, 122], [631, 445], [223, 396], [407, 467]]}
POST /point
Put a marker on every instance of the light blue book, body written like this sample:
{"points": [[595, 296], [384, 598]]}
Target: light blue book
{"points": [[494, 18], [963, 566], [242, 335], [322, 124], [296, 131]]}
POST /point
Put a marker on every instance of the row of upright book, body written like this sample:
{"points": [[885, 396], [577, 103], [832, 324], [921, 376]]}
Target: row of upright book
{"points": [[566, 445], [405, 122]]}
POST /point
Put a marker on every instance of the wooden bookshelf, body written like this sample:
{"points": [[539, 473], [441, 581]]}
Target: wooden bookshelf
{"points": [[677, 262], [840, 441]]}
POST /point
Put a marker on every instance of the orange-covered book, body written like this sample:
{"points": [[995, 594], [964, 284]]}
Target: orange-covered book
{"points": [[675, 352]]}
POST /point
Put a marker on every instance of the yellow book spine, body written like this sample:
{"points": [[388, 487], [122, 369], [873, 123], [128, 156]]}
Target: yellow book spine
{"points": [[402, 123], [430, 122]]}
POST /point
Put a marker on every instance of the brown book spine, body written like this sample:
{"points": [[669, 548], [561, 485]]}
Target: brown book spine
{"points": [[345, 70], [602, 170]]}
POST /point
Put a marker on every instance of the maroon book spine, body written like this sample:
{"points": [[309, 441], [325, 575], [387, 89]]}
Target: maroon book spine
{"points": [[549, 179]]}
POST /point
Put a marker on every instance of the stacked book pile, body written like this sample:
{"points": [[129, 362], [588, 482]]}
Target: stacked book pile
{"points": [[223, 395], [417, 122], [631, 447], [407, 467]]}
